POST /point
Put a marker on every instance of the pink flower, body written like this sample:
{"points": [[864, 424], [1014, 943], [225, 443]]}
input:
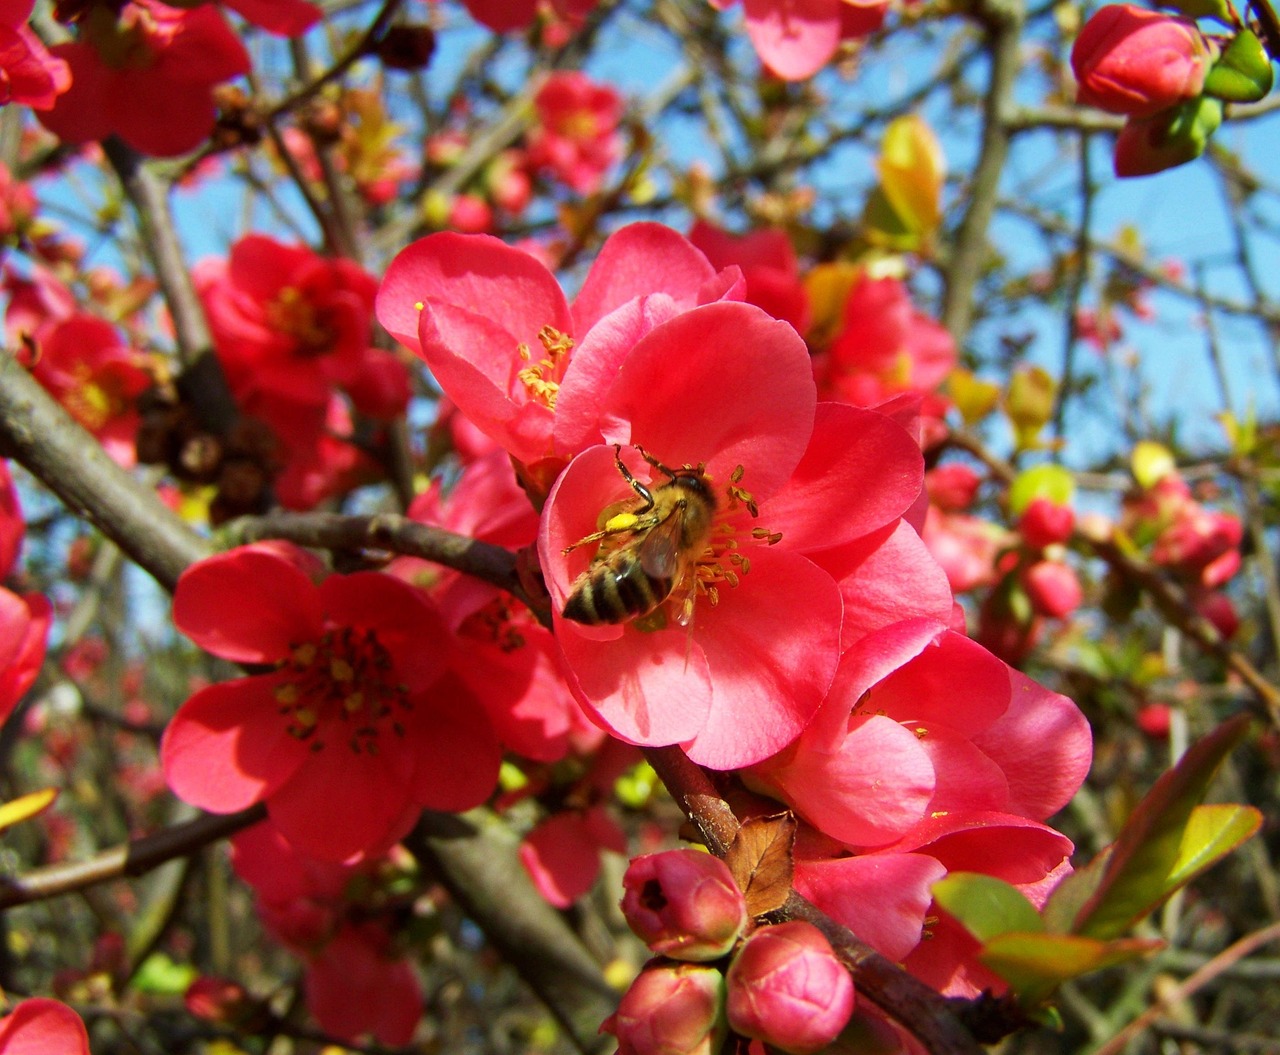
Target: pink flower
{"points": [[503, 16], [1053, 588], [40, 1026], [357, 728], [769, 265], [146, 74], [503, 342], [786, 988], [24, 619], [670, 1009], [577, 136], [285, 18], [886, 347], [1129, 60], [357, 986], [748, 672], [796, 38], [291, 324], [1044, 523], [683, 904], [28, 73]]}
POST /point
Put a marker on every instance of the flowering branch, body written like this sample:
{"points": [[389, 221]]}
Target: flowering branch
{"points": [[911, 1003]]}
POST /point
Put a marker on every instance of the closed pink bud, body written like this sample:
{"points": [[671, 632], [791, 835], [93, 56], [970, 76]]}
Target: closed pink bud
{"points": [[683, 904], [1129, 60], [670, 1009], [787, 988], [1044, 522], [1053, 588]]}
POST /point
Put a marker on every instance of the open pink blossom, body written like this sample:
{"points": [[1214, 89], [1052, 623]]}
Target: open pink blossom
{"points": [[41, 1026], [576, 139], [358, 726], [749, 672], [796, 38], [907, 733], [146, 73], [28, 73], [503, 342], [24, 619]]}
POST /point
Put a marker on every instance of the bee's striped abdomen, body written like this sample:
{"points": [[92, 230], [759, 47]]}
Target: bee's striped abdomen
{"points": [[615, 591]]}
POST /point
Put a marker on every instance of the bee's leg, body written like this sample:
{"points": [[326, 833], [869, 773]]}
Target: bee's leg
{"points": [[645, 494], [670, 474]]}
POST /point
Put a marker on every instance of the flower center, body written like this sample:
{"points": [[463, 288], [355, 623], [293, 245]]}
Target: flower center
{"points": [[542, 379], [343, 682], [723, 561], [493, 624], [294, 314]]}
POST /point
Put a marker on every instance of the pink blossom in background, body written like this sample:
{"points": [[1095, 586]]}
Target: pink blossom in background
{"points": [[286, 18], [562, 853], [29, 75], [576, 138], [796, 38], [146, 75]]}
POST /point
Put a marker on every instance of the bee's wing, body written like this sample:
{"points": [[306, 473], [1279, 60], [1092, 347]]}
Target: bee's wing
{"points": [[659, 550]]}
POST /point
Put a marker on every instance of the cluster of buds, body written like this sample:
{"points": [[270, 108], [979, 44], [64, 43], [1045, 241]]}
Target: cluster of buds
{"points": [[781, 985], [1167, 77]]}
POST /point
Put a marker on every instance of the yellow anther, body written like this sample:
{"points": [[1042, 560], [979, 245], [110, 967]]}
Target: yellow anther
{"points": [[340, 670], [353, 702], [305, 717], [286, 694], [304, 655]]}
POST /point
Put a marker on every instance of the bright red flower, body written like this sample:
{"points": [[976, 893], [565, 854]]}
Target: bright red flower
{"points": [[503, 16], [750, 670], [285, 18], [28, 73], [24, 620], [796, 38], [562, 854], [769, 266], [40, 1026], [146, 72], [577, 138], [358, 727], [503, 342], [357, 985]]}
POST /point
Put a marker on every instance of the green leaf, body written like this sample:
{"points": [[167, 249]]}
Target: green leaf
{"points": [[1212, 832], [985, 906], [883, 226], [159, 974], [1242, 73], [1041, 481], [1149, 850], [1034, 965]]}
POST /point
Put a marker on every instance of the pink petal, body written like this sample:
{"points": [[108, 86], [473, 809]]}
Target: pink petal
{"points": [[456, 752], [356, 986], [772, 644], [227, 747], [966, 779], [40, 1026], [860, 466], [886, 578], [1044, 745], [343, 802], [249, 605], [794, 38], [475, 272], [867, 789], [1014, 849], [882, 898], [722, 384], [953, 681], [24, 631], [636, 261], [562, 858]]}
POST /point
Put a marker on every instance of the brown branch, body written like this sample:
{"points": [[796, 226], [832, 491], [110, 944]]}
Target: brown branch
{"points": [[924, 1012], [129, 859], [388, 533], [40, 435]]}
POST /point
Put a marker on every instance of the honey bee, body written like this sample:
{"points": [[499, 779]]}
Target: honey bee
{"points": [[648, 553]]}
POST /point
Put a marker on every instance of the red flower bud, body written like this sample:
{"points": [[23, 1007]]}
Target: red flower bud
{"points": [[787, 988], [1044, 523], [684, 904], [1053, 588], [670, 1009], [1132, 61]]}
